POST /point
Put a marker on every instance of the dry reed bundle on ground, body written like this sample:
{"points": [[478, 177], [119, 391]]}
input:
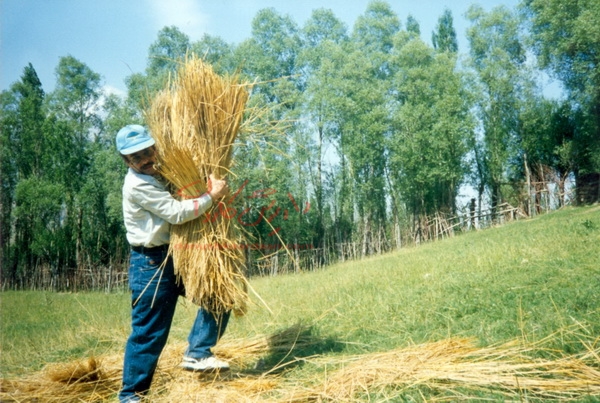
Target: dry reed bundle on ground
{"points": [[195, 123], [99, 379], [453, 364], [454, 369], [90, 380]]}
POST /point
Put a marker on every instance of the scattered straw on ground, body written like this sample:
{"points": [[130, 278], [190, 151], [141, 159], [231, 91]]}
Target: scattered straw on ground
{"points": [[455, 368], [453, 363]]}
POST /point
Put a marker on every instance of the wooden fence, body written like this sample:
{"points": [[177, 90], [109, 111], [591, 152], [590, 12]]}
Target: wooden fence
{"points": [[301, 258]]}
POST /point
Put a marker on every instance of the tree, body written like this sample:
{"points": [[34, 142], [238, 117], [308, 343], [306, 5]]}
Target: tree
{"points": [[363, 116], [444, 37], [37, 215], [8, 177], [76, 97], [412, 25], [27, 138], [269, 56], [323, 34], [24, 147], [546, 138], [75, 108], [270, 156], [164, 56], [565, 39], [498, 58], [432, 127], [217, 53]]}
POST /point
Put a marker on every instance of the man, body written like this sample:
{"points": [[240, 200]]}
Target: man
{"points": [[148, 211]]}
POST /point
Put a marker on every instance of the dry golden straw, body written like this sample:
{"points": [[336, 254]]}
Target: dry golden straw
{"points": [[195, 123], [450, 364], [455, 369]]}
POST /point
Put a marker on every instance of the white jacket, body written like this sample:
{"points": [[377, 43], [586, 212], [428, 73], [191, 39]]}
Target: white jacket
{"points": [[149, 209]]}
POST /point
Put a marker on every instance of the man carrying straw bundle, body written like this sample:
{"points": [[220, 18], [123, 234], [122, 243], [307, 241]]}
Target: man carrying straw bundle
{"points": [[149, 210]]}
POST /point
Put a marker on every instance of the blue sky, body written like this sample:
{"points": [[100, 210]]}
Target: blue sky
{"points": [[112, 37]]}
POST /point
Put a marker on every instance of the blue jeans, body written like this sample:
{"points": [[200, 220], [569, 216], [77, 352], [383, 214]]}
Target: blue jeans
{"points": [[154, 293]]}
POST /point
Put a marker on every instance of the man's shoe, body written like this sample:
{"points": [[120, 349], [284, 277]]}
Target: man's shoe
{"points": [[204, 364]]}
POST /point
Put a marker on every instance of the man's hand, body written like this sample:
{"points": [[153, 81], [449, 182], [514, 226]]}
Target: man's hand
{"points": [[217, 188]]}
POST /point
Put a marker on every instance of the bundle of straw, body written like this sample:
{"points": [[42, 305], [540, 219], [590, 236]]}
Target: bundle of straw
{"points": [[195, 122]]}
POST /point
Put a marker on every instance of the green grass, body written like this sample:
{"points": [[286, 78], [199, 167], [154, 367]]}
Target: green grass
{"points": [[42, 327], [529, 279], [526, 279]]}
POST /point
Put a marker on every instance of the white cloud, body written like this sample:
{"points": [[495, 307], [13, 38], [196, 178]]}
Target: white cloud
{"points": [[184, 14], [109, 89]]}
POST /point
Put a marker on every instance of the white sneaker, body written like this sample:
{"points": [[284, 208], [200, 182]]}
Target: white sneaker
{"points": [[211, 363]]}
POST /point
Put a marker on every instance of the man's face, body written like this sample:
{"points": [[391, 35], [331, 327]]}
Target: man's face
{"points": [[143, 161]]}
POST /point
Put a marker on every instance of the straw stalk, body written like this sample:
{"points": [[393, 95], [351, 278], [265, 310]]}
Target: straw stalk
{"points": [[195, 122]]}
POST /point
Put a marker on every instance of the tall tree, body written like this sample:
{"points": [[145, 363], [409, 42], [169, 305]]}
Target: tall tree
{"points": [[24, 147], [271, 156], [432, 129], [8, 175], [364, 118], [76, 97], [412, 25], [444, 37], [546, 138], [28, 140], [164, 56], [34, 184], [75, 106], [565, 38], [216, 52], [497, 56], [323, 35]]}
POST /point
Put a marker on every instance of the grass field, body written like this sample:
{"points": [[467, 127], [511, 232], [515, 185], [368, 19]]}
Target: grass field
{"points": [[535, 281]]}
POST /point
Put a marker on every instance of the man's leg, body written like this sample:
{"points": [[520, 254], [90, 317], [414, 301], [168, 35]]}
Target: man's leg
{"points": [[205, 333], [154, 298]]}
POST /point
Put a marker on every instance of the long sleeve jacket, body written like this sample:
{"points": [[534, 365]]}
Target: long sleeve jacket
{"points": [[149, 209]]}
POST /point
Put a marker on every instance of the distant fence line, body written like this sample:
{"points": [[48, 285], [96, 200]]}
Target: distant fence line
{"points": [[285, 260]]}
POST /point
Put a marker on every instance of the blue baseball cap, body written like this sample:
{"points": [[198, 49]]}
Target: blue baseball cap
{"points": [[133, 138]]}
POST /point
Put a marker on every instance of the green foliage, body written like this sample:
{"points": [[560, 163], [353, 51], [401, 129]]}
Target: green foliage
{"points": [[432, 129], [362, 126], [103, 233], [444, 38], [25, 132], [375, 29], [412, 26], [498, 57], [167, 51], [38, 207], [217, 53], [565, 38], [164, 57], [76, 96]]}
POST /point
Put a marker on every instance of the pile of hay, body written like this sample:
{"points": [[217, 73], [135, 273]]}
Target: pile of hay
{"points": [[447, 370], [98, 379], [90, 380], [458, 370], [195, 122]]}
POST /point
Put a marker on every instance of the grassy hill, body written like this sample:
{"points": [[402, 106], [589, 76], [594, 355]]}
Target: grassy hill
{"points": [[535, 282], [526, 279]]}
